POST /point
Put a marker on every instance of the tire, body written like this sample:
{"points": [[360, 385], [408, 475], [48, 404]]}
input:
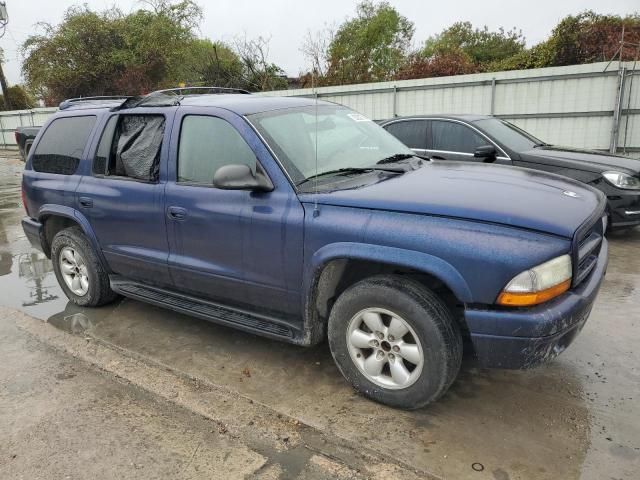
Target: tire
{"points": [[87, 267], [433, 341]]}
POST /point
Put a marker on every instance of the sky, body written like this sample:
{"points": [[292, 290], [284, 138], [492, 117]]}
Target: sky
{"points": [[286, 23]]}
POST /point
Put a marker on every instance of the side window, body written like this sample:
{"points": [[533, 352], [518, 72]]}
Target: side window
{"points": [[130, 147], [206, 144], [455, 137], [104, 147], [60, 149], [413, 133]]}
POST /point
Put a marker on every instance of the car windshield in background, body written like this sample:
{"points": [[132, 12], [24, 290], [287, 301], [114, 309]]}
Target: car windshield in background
{"points": [[345, 139], [508, 134]]}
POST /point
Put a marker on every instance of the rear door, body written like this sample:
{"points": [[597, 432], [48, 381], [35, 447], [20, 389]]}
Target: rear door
{"points": [[413, 133], [234, 246], [123, 195]]}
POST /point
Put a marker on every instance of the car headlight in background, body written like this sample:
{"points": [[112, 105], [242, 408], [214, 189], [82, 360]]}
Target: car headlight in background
{"points": [[622, 180], [539, 284]]}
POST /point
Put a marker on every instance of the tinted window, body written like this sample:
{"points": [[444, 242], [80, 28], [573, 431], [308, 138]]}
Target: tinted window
{"points": [[130, 147], [455, 137], [206, 144], [104, 147], [61, 146], [508, 134], [413, 133]]}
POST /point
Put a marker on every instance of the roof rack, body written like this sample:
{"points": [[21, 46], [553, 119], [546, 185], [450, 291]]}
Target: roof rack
{"points": [[201, 90], [164, 97], [68, 103]]}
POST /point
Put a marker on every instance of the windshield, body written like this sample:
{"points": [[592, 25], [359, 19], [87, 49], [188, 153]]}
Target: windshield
{"points": [[508, 134], [345, 139]]}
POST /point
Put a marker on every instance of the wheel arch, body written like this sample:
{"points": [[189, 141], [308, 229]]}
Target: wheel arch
{"points": [[335, 267], [55, 218]]}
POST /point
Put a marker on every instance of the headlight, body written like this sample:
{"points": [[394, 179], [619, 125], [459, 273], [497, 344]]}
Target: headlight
{"points": [[541, 283], [622, 180]]}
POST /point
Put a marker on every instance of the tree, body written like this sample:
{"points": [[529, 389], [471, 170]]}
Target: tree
{"points": [[109, 53], [590, 37], [19, 98], [259, 73], [210, 63], [438, 65], [370, 47], [479, 45]]}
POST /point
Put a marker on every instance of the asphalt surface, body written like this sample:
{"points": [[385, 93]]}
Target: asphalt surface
{"points": [[577, 417]]}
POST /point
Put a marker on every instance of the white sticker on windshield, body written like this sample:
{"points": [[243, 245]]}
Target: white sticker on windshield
{"points": [[356, 117]]}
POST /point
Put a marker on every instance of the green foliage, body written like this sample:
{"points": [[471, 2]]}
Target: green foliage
{"points": [[590, 37], [107, 53], [112, 53], [211, 63], [438, 65], [480, 45], [370, 47], [19, 97]]}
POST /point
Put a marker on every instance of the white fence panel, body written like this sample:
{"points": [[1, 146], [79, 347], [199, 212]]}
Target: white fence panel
{"points": [[575, 105]]}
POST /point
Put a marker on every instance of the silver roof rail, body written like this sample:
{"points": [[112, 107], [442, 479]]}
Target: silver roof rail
{"points": [[201, 90], [102, 99]]}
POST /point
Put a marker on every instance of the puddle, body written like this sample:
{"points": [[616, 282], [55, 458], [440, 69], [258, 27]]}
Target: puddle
{"points": [[533, 424]]}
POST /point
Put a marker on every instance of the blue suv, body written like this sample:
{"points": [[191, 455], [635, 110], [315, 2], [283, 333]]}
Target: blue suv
{"points": [[303, 221]]}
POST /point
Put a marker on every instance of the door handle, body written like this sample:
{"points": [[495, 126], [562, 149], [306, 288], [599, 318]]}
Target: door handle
{"points": [[177, 213], [86, 202]]}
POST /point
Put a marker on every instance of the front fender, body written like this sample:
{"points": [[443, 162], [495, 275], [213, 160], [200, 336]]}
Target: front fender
{"points": [[419, 261]]}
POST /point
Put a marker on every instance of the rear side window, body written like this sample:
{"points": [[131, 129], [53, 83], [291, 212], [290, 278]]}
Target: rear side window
{"points": [[61, 146], [130, 147], [455, 137], [413, 133], [206, 144]]}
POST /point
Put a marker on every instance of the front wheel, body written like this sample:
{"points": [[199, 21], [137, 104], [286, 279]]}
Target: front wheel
{"points": [[395, 341]]}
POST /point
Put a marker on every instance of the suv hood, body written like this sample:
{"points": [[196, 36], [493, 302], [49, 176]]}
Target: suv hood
{"points": [[510, 196], [579, 159]]}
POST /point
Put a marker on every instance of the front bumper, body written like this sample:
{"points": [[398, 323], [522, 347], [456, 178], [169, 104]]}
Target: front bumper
{"points": [[624, 210], [523, 338]]}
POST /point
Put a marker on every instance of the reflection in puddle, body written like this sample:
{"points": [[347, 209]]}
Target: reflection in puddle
{"points": [[34, 267], [71, 320], [27, 282]]}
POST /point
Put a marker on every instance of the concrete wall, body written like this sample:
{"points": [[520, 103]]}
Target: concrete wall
{"points": [[578, 105]]}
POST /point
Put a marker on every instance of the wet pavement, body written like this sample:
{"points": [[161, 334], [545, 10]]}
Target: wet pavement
{"points": [[578, 416]]}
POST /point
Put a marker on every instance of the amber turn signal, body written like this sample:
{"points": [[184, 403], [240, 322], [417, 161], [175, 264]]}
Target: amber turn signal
{"points": [[527, 299]]}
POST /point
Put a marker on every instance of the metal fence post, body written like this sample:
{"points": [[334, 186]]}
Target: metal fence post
{"points": [[493, 95], [395, 101], [617, 111], [4, 142]]}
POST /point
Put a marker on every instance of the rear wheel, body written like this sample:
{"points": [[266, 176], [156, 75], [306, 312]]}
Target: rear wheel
{"points": [[78, 269], [395, 341]]}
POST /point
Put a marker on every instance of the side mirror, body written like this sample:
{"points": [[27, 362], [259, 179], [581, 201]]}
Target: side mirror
{"points": [[486, 152], [240, 177]]}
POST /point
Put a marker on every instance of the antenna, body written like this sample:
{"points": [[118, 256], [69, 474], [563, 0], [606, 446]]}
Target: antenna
{"points": [[316, 212]]}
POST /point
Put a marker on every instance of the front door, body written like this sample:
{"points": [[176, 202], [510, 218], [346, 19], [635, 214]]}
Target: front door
{"points": [[232, 246], [452, 140]]}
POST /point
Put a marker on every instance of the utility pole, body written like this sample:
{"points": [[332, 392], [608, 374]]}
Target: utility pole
{"points": [[4, 19]]}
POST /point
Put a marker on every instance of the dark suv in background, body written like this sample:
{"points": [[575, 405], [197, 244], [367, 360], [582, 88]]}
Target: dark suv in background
{"points": [[482, 138]]}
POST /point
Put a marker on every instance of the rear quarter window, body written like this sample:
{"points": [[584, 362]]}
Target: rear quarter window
{"points": [[61, 146]]}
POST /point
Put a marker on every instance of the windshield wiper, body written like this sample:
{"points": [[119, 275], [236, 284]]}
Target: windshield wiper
{"points": [[542, 144], [395, 158], [340, 171]]}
